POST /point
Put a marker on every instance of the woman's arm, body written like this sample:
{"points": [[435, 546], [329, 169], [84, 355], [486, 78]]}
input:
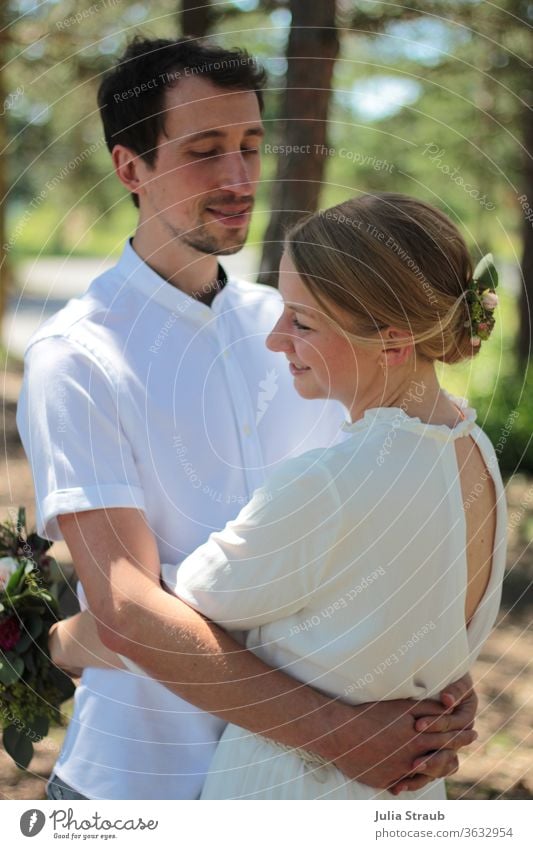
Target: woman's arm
{"points": [[273, 559], [74, 644]]}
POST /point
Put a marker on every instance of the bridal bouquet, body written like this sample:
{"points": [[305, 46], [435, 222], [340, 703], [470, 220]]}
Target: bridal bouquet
{"points": [[31, 687]]}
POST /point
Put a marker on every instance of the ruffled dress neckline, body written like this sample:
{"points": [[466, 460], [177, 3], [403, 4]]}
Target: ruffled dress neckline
{"points": [[397, 418]]}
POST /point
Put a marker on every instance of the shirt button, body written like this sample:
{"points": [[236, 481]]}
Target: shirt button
{"points": [[246, 430]]}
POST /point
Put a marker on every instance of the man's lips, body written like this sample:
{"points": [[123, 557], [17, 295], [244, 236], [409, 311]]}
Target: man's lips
{"points": [[235, 216]]}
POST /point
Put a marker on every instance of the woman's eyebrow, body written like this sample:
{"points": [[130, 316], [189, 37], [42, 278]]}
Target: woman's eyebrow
{"points": [[299, 308]]}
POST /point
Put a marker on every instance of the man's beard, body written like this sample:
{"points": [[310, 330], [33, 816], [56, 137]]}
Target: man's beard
{"points": [[205, 242]]}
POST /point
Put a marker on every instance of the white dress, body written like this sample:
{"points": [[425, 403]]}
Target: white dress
{"points": [[348, 571]]}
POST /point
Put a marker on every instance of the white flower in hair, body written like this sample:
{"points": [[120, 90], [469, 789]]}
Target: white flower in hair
{"points": [[8, 565], [489, 300]]}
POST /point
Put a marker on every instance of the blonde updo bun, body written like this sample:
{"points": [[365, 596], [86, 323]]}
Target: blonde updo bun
{"points": [[389, 260]]}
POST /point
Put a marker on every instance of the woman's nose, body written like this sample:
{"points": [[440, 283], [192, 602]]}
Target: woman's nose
{"points": [[279, 338]]}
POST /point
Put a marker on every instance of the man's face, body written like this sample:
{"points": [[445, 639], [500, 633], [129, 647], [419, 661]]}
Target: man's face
{"points": [[201, 189]]}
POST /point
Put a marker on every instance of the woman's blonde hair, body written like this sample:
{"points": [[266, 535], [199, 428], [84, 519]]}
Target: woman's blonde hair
{"points": [[390, 260]]}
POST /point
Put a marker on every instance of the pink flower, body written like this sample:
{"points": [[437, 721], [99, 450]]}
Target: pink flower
{"points": [[490, 300], [483, 326], [475, 341], [9, 633]]}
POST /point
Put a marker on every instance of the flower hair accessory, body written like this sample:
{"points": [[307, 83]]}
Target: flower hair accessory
{"points": [[482, 300]]}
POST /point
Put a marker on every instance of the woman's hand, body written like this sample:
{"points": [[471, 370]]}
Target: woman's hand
{"points": [[74, 644], [55, 647]]}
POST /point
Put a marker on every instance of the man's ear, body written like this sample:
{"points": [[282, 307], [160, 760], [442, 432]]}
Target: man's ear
{"points": [[396, 354], [128, 167]]}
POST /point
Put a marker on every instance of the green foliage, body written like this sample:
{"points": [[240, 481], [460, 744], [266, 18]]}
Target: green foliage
{"points": [[31, 688], [507, 418], [18, 746], [499, 388], [54, 55]]}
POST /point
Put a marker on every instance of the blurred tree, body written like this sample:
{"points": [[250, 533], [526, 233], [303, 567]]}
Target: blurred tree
{"points": [[4, 106], [311, 53], [62, 191], [522, 82], [311, 63], [472, 126], [196, 17], [526, 296], [502, 50], [465, 59]]}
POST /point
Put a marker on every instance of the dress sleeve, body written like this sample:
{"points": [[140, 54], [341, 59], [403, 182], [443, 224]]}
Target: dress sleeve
{"points": [[265, 565], [69, 421]]}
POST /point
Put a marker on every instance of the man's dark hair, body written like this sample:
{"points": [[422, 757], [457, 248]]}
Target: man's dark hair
{"points": [[131, 96]]}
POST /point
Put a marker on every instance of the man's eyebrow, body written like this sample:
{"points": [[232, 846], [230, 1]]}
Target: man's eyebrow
{"points": [[255, 131], [220, 134]]}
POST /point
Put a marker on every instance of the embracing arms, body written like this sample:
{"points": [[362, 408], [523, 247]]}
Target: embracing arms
{"points": [[116, 558]]}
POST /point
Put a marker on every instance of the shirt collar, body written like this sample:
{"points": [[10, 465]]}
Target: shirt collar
{"points": [[154, 287]]}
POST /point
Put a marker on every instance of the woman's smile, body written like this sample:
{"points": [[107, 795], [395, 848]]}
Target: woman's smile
{"points": [[296, 370], [317, 350]]}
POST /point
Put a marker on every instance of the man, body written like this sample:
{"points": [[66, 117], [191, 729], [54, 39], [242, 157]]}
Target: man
{"points": [[151, 410]]}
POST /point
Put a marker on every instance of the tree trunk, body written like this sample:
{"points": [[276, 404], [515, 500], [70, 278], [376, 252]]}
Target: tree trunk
{"points": [[311, 53], [195, 17], [526, 201], [4, 266]]}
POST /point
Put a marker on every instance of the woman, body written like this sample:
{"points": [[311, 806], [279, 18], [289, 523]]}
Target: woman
{"points": [[371, 570]]}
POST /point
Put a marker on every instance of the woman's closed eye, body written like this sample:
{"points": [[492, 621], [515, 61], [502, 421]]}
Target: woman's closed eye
{"points": [[299, 325]]}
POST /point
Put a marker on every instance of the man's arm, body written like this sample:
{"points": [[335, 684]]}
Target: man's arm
{"points": [[116, 557], [74, 644]]}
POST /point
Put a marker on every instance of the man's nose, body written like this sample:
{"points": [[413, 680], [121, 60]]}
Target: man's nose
{"points": [[236, 174], [280, 339]]}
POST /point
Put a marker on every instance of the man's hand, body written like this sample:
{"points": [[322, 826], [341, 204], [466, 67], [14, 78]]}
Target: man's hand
{"points": [[390, 751], [461, 702]]}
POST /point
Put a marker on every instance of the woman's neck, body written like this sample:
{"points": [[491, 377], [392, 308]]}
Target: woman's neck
{"points": [[417, 392]]}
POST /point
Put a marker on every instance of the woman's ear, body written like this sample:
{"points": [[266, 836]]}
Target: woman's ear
{"points": [[399, 347]]}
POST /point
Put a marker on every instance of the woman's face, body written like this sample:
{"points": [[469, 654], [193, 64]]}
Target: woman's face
{"points": [[323, 362]]}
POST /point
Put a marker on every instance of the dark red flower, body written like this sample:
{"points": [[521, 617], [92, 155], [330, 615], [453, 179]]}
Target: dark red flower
{"points": [[9, 633]]}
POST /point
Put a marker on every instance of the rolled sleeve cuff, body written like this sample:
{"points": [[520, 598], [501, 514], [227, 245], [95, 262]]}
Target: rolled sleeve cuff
{"points": [[132, 667], [80, 499]]}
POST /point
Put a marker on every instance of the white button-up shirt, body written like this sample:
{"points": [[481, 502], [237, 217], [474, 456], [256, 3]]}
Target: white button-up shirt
{"points": [[137, 395]]}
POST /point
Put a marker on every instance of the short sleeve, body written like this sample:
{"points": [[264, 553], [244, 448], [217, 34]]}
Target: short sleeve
{"points": [[267, 563], [68, 419]]}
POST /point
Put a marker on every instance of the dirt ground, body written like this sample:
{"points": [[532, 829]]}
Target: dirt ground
{"points": [[498, 765]]}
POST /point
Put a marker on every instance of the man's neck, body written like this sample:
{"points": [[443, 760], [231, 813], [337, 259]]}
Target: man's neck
{"points": [[194, 273]]}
